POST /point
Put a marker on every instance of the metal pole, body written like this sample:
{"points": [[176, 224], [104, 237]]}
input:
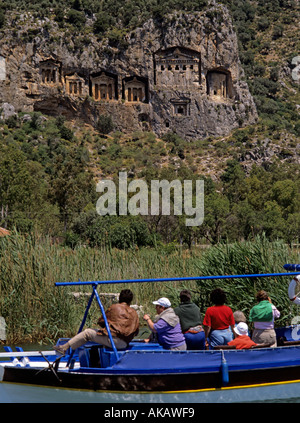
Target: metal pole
{"points": [[82, 324], [106, 322], [292, 266], [86, 311], [190, 278]]}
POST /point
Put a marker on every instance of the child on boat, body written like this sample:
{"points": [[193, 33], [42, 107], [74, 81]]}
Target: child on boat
{"points": [[242, 339]]}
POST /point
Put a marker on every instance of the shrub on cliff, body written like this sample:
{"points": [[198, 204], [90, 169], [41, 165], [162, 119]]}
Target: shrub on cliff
{"points": [[76, 18], [104, 124]]}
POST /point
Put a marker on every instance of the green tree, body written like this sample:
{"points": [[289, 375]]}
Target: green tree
{"points": [[105, 124], [292, 231], [72, 187], [273, 221], [257, 191], [234, 181], [297, 128], [245, 221], [76, 18], [286, 196], [23, 190], [217, 210], [102, 23]]}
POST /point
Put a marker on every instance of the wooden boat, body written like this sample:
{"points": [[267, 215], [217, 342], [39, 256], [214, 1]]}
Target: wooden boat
{"points": [[148, 368]]}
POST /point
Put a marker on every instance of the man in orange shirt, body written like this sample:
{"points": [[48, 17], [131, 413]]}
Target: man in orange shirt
{"points": [[242, 340]]}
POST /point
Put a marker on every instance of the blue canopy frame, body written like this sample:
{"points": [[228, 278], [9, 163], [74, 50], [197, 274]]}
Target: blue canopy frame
{"points": [[96, 295]]}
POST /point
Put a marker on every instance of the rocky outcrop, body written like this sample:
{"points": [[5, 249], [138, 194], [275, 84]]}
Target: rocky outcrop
{"points": [[296, 68], [267, 152], [181, 75]]}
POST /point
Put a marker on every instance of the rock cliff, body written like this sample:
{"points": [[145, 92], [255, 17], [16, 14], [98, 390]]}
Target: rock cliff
{"points": [[182, 74]]}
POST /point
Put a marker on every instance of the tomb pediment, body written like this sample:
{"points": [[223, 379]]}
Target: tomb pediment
{"points": [[180, 100], [134, 81], [74, 77], [103, 76], [177, 54], [49, 62]]}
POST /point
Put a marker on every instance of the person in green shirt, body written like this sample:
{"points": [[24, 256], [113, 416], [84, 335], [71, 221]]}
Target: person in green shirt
{"points": [[262, 316], [190, 321]]}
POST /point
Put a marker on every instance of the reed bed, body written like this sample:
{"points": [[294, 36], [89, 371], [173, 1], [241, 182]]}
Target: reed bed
{"points": [[36, 310], [256, 257]]}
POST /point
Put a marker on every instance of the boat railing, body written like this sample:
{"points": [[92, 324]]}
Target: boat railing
{"points": [[233, 347]]}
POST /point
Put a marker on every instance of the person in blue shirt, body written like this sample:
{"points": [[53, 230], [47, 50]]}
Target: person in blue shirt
{"points": [[166, 325]]}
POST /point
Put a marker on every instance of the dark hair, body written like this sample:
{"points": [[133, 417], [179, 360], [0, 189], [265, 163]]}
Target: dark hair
{"points": [[218, 296], [125, 296], [262, 295], [185, 296]]}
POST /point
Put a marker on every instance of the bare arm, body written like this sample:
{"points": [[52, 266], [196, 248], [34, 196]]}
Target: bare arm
{"points": [[207, 332], [149, 322]]}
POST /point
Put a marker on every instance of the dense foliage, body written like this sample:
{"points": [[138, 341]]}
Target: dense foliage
{"points": [[259, 256], [267, 34], [44, 183], [47, 185]]}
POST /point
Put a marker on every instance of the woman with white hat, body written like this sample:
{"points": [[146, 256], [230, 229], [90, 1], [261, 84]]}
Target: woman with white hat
{"points": [[166, 325]]}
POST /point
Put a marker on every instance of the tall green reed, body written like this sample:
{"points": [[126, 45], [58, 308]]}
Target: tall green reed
{"points": [[249, 257], [35, 309]]}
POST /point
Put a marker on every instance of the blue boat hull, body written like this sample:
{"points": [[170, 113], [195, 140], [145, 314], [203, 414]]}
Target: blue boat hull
{"points": [[165, 371]]}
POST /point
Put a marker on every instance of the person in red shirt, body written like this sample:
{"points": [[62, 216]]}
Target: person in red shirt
{"points": [[218, 320], [242, 340]]}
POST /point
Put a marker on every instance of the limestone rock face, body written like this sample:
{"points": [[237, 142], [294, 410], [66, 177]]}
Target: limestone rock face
{"points": [[181, 75]]}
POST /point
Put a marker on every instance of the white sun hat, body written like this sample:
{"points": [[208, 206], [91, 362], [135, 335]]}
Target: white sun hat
{"points": [[164, 302], [241, 328]]}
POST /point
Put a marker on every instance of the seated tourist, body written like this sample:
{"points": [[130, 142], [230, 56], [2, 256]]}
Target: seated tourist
{"points": [[166, 325], [218, 321], [242, 339], [123, 323], [190, 322], [239, 317], [262, 315]]}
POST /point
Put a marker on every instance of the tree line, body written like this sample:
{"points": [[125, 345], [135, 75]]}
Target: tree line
{"points": [[47, 185]]}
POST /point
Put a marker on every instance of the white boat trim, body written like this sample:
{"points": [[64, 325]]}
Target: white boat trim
{"points": [[16, 354]]}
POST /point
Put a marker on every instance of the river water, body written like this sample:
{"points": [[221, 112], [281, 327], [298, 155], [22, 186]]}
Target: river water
{"points": [[17, 393]]}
